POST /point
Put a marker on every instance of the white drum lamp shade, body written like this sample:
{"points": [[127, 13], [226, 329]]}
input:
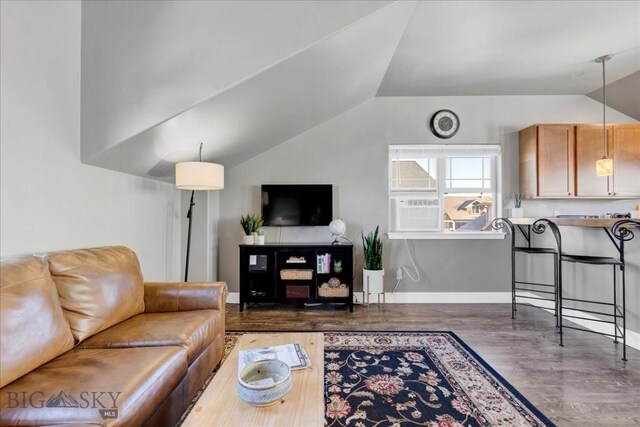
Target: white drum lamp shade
{"points": [[199, 176]]}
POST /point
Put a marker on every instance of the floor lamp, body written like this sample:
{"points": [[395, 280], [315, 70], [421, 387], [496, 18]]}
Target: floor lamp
{"points": [[197, 176]]}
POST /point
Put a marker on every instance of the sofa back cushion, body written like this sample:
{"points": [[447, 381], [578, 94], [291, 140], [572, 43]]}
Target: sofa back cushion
{"points": [[98, 287], [33, 328]]}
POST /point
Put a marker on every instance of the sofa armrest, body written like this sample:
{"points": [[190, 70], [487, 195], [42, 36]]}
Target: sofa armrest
{"points": [[182, 296]]}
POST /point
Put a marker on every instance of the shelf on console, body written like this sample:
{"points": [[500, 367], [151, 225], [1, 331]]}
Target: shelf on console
{"points": [[273, 288]]}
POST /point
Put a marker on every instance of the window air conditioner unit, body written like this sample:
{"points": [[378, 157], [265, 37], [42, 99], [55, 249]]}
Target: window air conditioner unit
{"points": [[418, 214]]}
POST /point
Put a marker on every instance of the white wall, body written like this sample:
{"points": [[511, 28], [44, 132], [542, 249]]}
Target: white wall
{"points": [[49, 200], [350, 152]]}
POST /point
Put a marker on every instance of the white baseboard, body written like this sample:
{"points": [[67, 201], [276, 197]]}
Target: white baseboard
{"points": [[448, 297], [633, 338]]}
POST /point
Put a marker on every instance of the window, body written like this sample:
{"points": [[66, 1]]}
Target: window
{"points": [[436, 189]]}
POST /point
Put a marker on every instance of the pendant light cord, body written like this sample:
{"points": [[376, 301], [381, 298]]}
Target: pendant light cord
{"points": [[602, 59], [604, 112]]}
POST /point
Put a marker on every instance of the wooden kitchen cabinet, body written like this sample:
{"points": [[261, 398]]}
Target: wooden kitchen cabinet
{"points": [[588, 151], [547, 161], [626, 160], [558, 161], [623, 146]]}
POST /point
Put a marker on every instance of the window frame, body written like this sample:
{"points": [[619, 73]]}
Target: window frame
{"points": [[442, 153]]}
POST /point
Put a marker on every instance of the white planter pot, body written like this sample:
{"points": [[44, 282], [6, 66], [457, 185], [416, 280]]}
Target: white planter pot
{"points": [[517, 213], [372, 284], [248, 240], [259, 240]]}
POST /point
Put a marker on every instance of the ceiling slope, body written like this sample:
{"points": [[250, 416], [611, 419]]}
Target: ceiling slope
{"points": [[146, 61], [513, 48], [623, 95], [289, 98]]}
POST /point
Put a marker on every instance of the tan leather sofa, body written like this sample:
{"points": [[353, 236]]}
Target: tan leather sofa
{"points": [[84, 341]]}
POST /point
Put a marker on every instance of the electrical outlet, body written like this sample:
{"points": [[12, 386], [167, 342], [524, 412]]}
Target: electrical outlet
{"points": [[399, 274]]}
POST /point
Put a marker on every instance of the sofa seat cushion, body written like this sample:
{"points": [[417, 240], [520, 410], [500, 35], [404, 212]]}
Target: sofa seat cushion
{"points": [[77, 385], [98, 287], [194, 330]]}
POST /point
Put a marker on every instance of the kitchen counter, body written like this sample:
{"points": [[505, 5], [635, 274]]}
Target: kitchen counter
{"points": [[571, 222]]}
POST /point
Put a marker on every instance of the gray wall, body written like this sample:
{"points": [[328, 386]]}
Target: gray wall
{"points": [[48, 199], [350, 152]]}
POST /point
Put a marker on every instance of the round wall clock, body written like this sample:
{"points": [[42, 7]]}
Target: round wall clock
{"points": [[444, 124]]}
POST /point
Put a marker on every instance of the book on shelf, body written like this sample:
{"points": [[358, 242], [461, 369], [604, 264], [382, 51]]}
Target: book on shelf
{"points": [[296, 260], [293, 355], [324, 263]]}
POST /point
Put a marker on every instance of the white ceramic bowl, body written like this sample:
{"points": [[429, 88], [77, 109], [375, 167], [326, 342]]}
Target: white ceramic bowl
{"points": [[264, 382]]}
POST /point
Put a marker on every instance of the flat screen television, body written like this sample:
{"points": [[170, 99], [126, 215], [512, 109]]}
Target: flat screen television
{"points": [[297, 205]]}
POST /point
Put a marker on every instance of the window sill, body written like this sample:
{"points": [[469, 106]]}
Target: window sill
{"points": [[455, 235]]}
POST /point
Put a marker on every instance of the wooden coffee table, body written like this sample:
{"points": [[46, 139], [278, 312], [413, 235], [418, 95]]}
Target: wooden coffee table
{"points": [[220, 405]]}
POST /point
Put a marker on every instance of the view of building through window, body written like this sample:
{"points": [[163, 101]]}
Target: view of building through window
{"points": [[467, 211]]}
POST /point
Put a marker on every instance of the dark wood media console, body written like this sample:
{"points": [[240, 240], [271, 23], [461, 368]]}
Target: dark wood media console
{"points": [[294, 273]]}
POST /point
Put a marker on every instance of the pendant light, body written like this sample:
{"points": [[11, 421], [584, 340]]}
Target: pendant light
{"points": [[604, 166]]}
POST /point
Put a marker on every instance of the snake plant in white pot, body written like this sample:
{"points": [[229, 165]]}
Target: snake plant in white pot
{"points": [[248, 224], [373, 273]]}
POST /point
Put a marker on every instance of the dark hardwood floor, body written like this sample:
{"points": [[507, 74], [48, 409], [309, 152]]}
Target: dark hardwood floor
{"points": [[583, 384]]}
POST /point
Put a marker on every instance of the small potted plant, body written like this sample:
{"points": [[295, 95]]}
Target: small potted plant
{"points": [[248, 224], [373, 273], [259, 237], [517, 211], [258, 231]]}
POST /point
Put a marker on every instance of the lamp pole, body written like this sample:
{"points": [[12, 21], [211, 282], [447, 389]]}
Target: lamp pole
{"points": [[190, 216]]}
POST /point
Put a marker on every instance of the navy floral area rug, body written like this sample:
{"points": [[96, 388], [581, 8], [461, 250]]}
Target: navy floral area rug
{"points": [[398, 379], [416, 379]]}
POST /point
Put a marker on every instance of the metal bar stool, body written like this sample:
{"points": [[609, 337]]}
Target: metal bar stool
{"points": [[622, 232], [504, 223]]}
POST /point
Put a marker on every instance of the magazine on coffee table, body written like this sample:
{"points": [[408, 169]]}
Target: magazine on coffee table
{"points": [[291, 354]]}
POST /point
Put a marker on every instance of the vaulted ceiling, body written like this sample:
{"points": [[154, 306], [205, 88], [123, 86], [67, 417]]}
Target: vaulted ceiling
{"points": [[159, 77], [513, 48]]}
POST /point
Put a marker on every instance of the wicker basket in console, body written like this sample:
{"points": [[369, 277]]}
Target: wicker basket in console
{"points": [[333, 292], [296, 274]]}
